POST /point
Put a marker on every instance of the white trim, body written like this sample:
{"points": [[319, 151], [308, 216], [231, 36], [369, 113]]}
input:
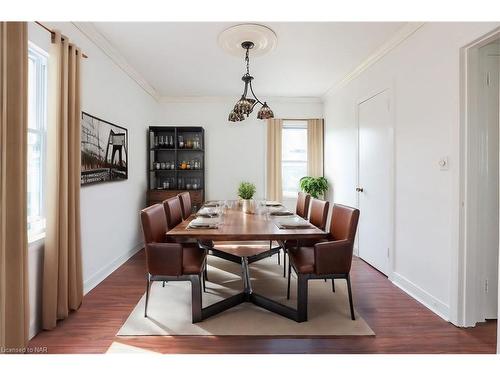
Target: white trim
{"points": [[90, 31], [436, 306], [108, 269], [463, 267], [224, 99], [400, 36]]}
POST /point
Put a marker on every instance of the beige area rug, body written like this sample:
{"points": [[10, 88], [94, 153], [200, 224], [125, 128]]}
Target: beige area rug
{"points": [[169, 309]]}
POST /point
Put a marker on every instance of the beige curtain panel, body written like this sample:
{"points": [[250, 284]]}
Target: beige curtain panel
{"points": [[315, 155], [62, 276], [274, 189], [14, 309]]}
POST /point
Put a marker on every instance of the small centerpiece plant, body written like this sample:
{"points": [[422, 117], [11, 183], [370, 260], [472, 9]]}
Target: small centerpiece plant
{"points": [[316, 186], [246, 191]]}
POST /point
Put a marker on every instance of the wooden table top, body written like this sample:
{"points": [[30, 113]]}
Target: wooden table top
{"points": [[238, 225]]}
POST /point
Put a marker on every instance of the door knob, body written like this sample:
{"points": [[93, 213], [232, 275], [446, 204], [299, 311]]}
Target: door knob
{"points": [[360, 190]]}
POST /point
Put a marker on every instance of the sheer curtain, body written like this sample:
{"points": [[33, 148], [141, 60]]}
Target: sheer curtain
{"points": [[274, 189], [315, 147], [14, 309], [62, 276]]}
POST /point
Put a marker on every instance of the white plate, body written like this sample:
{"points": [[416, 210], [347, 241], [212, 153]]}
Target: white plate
{"points": [[292, 221]]}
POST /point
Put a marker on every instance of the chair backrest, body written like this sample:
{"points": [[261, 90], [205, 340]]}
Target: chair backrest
{"points": [[302, 208], [186, 208], [342, 228], [173, 211], [344, 223], [159, 259], [319, 213], [154, 224]]}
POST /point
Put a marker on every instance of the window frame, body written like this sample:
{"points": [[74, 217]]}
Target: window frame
{"points": [[292, 124], [40, 59]]}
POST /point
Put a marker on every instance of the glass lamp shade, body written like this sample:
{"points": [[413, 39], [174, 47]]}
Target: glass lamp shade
{"points": [[243, 106], [265, 112], [234, 117]]}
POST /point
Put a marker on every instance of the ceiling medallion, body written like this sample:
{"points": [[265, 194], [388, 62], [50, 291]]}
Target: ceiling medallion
{"points": [[265, 40]]}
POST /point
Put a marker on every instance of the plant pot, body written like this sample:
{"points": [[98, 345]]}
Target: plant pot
{"points": [[248, 206]]}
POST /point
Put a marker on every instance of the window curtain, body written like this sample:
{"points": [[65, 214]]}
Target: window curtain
{"points": [[62, 276], [315, 147], [274, 189], [14, 309]]}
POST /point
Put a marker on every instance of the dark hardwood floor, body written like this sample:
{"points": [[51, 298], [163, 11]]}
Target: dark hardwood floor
{"points": [[401, 324]]}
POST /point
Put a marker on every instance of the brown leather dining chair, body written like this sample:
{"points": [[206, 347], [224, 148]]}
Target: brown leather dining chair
{"points": [[302, 207], [329, 259], [318, 217], [170, 261], [173, 213], [186, 207]]}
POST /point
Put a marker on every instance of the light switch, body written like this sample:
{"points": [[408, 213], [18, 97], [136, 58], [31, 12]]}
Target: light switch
{"points": [[443, 164]]}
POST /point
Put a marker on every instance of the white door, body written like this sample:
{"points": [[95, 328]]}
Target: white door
{"points": [[488, 185], [375, 181]]}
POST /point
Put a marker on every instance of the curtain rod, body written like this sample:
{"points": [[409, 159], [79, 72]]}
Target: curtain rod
{"points": [[52, 32]]}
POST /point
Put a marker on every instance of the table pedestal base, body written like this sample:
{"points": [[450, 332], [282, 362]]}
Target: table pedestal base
{"points": [[247, 295]]}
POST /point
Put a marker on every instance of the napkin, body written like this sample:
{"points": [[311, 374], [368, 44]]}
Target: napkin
{"points": [[211, 204], [281, 213], [293, 223], [202, 222], [207, 212], [273, 204]]}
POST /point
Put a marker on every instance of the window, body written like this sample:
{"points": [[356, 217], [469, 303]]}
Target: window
{"points": [[37, 134], [293, 156]]}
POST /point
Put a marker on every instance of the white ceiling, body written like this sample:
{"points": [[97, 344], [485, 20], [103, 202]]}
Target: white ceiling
{"points": [[184, 59]]}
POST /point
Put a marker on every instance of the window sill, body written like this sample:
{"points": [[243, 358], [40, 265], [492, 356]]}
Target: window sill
{"points": [[35, 238]]}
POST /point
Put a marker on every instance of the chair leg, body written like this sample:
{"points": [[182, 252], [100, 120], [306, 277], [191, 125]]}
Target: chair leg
{"points": [[196, 298], [163, 285], [302, 298], [203, 282], [289, 276], [205, 271], [148, 285], [350, 297], [333, 285]]}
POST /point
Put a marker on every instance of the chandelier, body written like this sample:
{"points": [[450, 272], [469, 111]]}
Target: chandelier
{"points": [[248, 99]]}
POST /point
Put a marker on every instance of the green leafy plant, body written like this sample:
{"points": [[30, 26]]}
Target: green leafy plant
{"points": [[246, 190], [316, 186]]}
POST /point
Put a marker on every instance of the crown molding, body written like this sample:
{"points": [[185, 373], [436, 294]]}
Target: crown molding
{"points": [[399, 37], [225, 99], [90, 31]]}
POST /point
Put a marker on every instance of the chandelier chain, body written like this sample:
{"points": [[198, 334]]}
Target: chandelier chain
{"points": [[247, 61]]}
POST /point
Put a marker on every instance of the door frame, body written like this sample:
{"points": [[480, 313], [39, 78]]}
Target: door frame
{"points": [[464, 267], [392, 168]]}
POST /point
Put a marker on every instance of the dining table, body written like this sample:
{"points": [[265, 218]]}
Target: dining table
{"points": [[233, 224]]}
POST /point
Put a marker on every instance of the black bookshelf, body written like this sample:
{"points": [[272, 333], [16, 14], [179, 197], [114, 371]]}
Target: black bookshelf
{"points": [[176, 163]]}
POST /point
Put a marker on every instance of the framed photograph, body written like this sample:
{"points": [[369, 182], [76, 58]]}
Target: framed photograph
{"points": [[104, 150]]}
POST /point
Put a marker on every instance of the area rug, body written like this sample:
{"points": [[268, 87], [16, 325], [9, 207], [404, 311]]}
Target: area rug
{"points": [[169, 309]]}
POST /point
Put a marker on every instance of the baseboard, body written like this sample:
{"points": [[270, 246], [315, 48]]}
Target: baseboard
{"points": [[429, 301], [108, 269]]}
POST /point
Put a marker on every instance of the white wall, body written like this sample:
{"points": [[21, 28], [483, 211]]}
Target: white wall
{"points": [[235, 152], [109, 211], [423, 76]]}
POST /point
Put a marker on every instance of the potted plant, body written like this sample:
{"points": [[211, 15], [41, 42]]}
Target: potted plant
{"points": [[246, 190], [316, 186]]}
